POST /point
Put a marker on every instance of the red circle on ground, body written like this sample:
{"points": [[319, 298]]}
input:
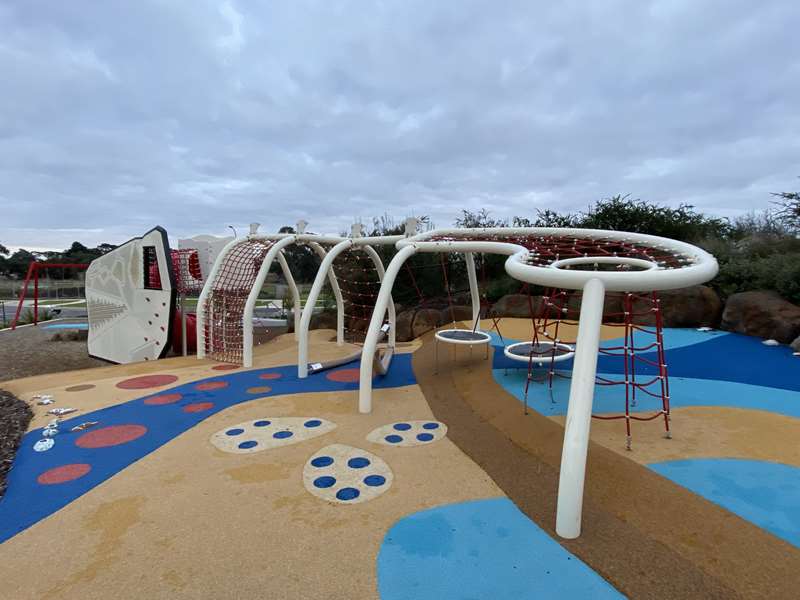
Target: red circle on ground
{"points": [[146, 381], [113, 435], [270, 376], [225, 367], [211, 385], [63, 473], [163, 399], [344, 376], [198, 407]]}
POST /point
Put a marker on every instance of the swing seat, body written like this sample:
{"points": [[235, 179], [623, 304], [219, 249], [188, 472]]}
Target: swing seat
{"points": [[463, 336], [540, 352]]}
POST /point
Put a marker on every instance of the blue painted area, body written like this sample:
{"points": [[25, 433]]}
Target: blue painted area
{"points": [[424, 437], [430, 426], [248, 444], [348, 493], [325, 481], [313, 423], [374, 480], [725, 357], [235, 431], [281, 435], [393, 439], [26, 501], [683, 392], [402, 426], [764, 493], [82, 326], [359, 462], [322, 461], [480, 549], [262, 423]]}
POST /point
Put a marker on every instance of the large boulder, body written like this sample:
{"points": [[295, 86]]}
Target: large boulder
{"points": [[695, 306], [516, 305], [764, 314], [413, 323], [456, 313]]}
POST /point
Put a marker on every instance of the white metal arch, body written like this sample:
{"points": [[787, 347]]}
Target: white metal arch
{"points": [[326, 270], [281, 241]]}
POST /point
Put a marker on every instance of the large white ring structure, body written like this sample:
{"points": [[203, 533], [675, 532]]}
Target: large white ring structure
{"points": [[537, 256]]}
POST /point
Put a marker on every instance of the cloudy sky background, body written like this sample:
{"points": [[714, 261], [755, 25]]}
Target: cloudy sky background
{"points": [[117, 116]]}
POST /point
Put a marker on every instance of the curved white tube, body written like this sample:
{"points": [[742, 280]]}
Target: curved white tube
{"points": [[287, 275], [473, 289], [337, 294], [376, 260], [207, 287], [375, 324]]}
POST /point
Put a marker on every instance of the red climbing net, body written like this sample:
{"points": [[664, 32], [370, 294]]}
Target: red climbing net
{"points": [[186, 271], [224, 305]]}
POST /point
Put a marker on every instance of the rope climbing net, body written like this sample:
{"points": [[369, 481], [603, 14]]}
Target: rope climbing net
{"points": [[221, 331], [359, 283]]}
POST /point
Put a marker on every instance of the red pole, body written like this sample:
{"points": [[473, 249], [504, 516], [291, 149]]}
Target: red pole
{"points": [[22, 295], [35, 293]]}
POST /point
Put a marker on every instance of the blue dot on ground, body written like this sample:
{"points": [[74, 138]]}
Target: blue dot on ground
{"points": [[313, 423], [431, 426], [234, 431], [280, 435], [402, 426], [374, 480], [248, 444], [359, 462], [424, 437], [348, 493], [261, 423], [325, 481], [393, 439], [321, 461]]}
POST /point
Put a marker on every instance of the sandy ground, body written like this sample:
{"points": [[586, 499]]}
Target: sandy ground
{"points": [[190, 521]]}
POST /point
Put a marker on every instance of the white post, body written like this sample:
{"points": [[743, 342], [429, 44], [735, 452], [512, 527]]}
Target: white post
{"points": [[375, 324], [287, 274], [376, 260], [184, 349], [325, 268], [247, 316], [579, 412], [473, 289], [337, 294]]}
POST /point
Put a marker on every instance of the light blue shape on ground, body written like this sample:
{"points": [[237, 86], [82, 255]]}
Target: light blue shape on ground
{"points": [[480, 549], [766, 494], [684, 391], [66, 326]]}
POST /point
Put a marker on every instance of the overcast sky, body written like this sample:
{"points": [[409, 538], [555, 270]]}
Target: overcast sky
{"points": [[118, 116]]}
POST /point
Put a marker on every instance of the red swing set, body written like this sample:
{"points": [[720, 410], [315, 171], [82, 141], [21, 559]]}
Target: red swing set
{"points": [[33, 273]]}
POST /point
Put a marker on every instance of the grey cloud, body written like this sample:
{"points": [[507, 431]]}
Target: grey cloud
{"points": [[117, 116]]}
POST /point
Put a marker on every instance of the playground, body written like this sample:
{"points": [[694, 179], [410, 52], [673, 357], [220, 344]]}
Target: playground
{"points": [[584, 450]]}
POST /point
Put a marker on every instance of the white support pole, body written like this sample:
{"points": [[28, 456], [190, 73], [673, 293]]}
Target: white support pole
{"points": [[247, 315], [473, 289], [287, 275], [325, 268], [579, 412], [376, 260], [337, 294], [375, 324]]}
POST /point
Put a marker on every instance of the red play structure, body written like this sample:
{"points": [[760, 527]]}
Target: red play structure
{"points": [[33, 273]]}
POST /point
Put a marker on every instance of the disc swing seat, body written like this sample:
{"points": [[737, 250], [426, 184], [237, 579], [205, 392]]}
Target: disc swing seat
{"points": [[460, 336]]}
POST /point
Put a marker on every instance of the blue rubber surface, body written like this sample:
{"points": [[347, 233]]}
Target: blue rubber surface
{"points": [[764, 493], [27, 501], [480, 549]]}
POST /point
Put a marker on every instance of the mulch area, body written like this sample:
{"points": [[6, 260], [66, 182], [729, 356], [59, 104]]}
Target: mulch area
{"points": [[29, 351], [15, 415], [646, 535]]}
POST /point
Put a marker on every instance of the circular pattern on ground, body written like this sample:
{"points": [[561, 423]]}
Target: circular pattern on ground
{"points": [[282, 435], [348, 493], [63, 473], [359, 462], [248, 444], [270, 376], [113, 435], [234, 431], [163, 399], [211, 385], [322, 461], [259, 389], [198, 407], [225, 367], [146, 381], [344, 375], [312, 423], [262, 423], [80, 388]]}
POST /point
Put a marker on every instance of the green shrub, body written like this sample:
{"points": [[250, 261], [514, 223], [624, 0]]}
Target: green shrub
{"points": [[27, 316]]}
